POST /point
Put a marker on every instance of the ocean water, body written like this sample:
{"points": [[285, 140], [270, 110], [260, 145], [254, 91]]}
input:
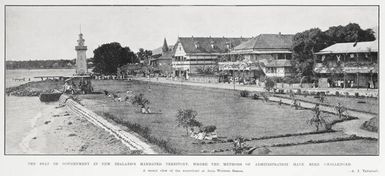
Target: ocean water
{"points": [[29, 75], [23, 113]]}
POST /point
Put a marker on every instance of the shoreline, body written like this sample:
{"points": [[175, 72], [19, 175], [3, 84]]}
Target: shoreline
{"points": [[56, 131]]}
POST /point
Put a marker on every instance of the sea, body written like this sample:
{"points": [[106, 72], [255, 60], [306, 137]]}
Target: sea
{"points": [[22, 113]]}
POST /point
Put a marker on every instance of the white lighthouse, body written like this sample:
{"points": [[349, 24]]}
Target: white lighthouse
{"points": [[81, 60]]}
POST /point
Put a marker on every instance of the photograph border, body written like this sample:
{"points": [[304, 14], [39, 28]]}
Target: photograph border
{"points": [[180, 5]]}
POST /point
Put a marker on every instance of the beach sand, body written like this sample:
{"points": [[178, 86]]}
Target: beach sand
{"points": [[59, 132]]}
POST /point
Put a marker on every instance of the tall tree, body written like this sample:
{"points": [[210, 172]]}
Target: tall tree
{"points": [[144, 55], [308, 42], [108, 57], [349, 33], [305, 44]]}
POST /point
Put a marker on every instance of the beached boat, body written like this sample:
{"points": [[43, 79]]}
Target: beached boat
{"points": [[51, 96]]}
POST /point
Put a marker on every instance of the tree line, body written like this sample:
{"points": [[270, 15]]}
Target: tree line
{"points": [[40, 64]]}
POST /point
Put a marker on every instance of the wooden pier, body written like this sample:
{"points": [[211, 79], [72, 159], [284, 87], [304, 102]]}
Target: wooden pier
{"points": [[52, 77]]}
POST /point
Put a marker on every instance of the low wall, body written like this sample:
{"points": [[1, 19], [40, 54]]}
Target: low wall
{"points": [[131, 141], [292, 86]]}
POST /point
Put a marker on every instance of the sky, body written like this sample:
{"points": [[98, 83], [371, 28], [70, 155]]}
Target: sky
{"points": [[50, 32]]}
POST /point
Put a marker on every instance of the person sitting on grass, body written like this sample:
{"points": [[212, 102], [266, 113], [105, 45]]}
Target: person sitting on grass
{"points": [[148, 111], [143, 110]]}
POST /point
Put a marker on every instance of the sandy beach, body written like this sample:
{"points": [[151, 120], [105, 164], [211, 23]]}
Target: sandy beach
{"points": [[56, 131]]}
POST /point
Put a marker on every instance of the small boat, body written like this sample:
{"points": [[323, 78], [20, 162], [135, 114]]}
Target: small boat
{"points": [[50, 97]]}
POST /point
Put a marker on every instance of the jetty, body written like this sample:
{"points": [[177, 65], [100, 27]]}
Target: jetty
{"points": [[52, 77]]}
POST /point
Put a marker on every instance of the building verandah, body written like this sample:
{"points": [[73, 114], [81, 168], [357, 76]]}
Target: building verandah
{"points": [[239, 69], [347, 70]]}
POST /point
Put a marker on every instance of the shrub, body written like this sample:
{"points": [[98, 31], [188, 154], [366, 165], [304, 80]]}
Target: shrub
{"points": [[337, 93], [319, 120], [185, 118], [265, 97], [341, 111], [139, 100], [244, 93], [209, 128], [269, 84], [371, 125], [356, 95], [255, 96]]}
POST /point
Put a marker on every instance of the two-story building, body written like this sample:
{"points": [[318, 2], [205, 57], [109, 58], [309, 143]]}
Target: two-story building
{"points": [[264, 55], [192, 54], [348, 65]]}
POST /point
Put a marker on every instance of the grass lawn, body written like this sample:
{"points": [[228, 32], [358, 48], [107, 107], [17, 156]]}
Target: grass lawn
{"points": [[357, 147], [231, 114], [366, 104]]}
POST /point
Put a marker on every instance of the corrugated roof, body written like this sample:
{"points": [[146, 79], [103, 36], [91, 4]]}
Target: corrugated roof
{"points": [[220, 44], [268, 41], [279, 63], [360, 47]]}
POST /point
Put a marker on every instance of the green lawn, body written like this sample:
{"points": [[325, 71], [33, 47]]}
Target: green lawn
{"points": [[231, 114]]}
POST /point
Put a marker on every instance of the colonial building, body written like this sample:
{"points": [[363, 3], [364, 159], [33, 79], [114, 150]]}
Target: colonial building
{"points": [[349, 65], [265, 55], [196, 53], [162, 58]]}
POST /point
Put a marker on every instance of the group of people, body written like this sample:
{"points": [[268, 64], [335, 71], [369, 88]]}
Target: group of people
{"points": [[84, 87]]}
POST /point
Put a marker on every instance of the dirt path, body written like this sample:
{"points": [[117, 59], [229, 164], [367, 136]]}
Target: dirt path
{"points": [[349, 127]]}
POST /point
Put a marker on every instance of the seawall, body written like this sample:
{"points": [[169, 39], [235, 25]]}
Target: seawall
{"points": [[135, 144]]}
